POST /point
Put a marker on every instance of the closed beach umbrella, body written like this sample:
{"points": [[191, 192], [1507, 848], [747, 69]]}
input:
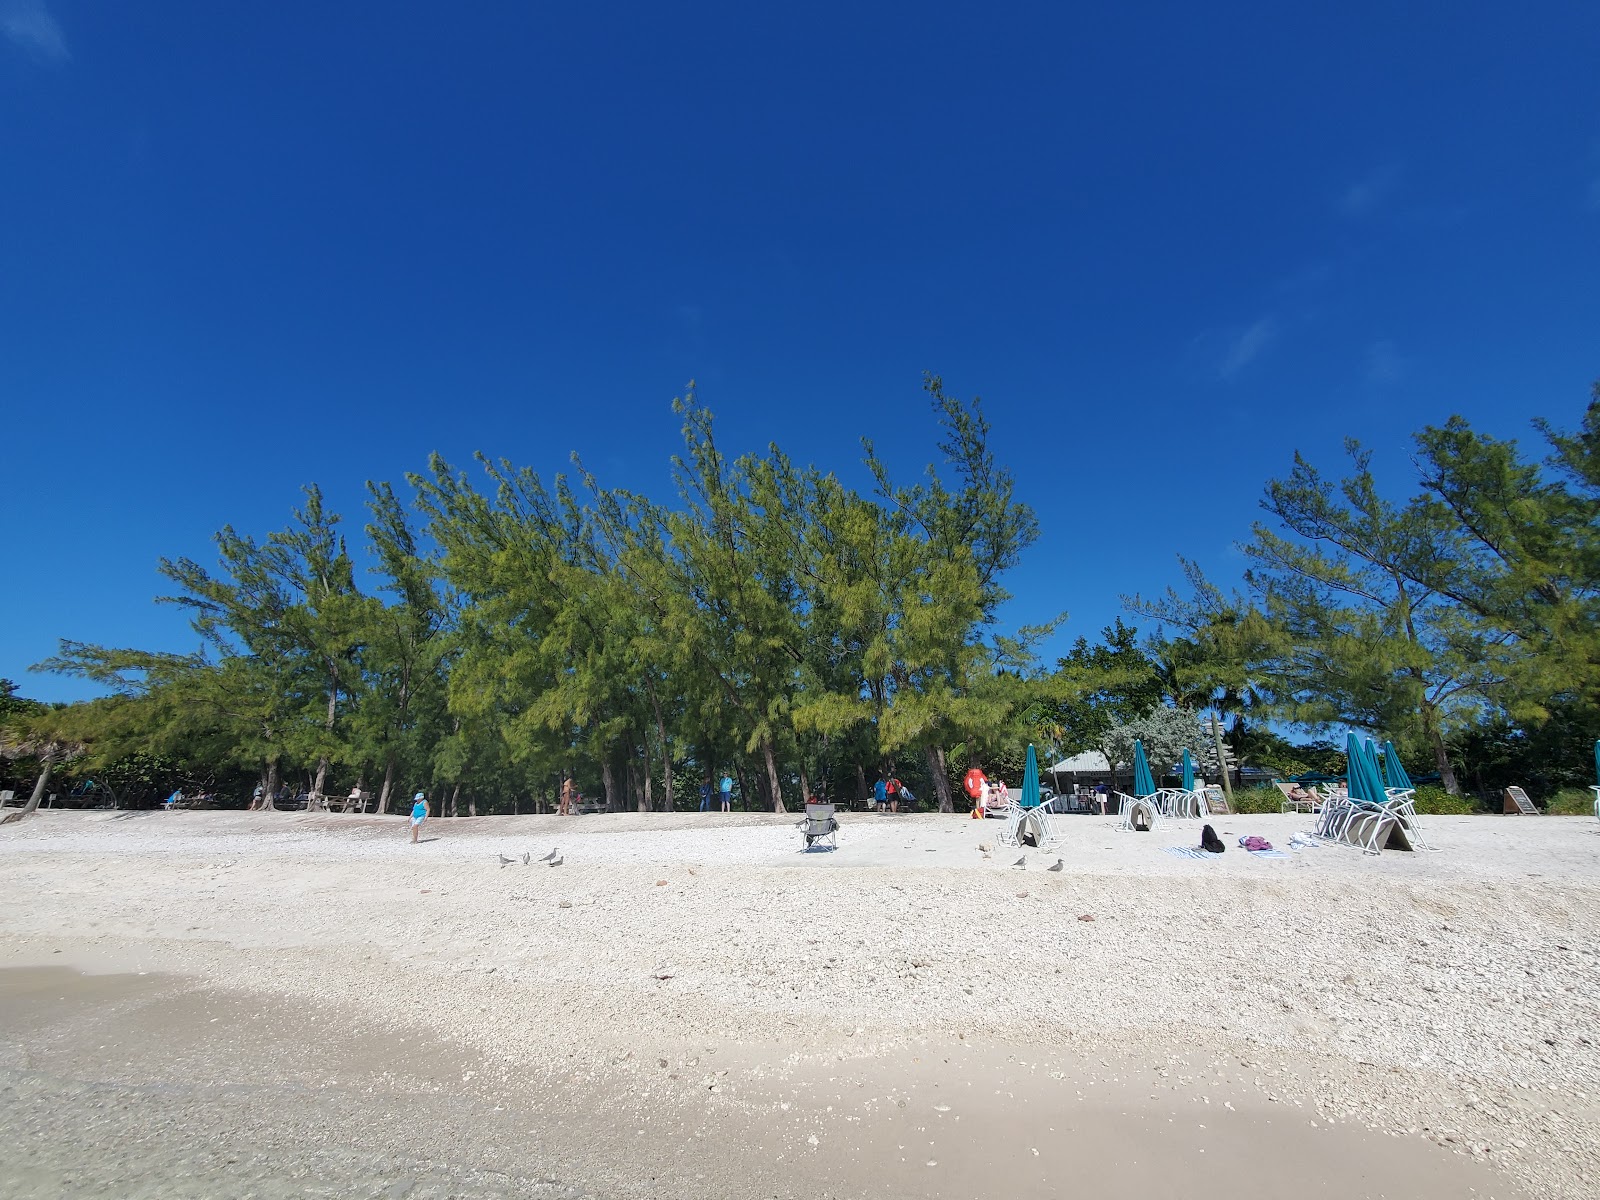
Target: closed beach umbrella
{"points": [[1143, 784], [1030, 780], [1597, 762], [1362, 771], [1188, 771], [1394, 771]]}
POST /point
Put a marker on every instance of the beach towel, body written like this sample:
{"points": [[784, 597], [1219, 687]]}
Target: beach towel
{"points": [[1267, 853], [1189, 852]]}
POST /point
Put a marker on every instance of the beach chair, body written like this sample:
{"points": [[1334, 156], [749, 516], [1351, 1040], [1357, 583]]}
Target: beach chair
{"points": [[1040, 823], [1139, 812], [819, 827], [1004, 805], [1181, 804], [1294, 803]]}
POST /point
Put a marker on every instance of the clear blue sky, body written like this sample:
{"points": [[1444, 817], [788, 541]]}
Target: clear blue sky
{"points": [[248, 247]]}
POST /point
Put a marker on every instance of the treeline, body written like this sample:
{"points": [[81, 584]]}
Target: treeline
{"points": [[774, 624]]}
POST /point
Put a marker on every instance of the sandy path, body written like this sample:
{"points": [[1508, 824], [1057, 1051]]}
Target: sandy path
{"points": [[1465, 1016]]}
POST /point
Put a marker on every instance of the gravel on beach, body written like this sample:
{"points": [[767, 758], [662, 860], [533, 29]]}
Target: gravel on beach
{"points": [[1448, 998]]}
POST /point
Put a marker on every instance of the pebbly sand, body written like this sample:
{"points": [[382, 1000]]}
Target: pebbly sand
{"points": [[274, 1005]]}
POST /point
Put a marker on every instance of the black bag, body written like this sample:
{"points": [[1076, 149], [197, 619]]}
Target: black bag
{"points": [[1210, 842]]}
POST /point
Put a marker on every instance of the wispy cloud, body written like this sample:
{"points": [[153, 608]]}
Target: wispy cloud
{"points": [[1367, 194], [28, 25], [1384, 363], [1248, 346]]}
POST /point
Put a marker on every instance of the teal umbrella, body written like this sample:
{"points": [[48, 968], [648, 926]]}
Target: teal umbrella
{"points": [[1143, 784], [1030, 780], [1188, 771], [1364, 781], [1394, 771], [1597, 761]]}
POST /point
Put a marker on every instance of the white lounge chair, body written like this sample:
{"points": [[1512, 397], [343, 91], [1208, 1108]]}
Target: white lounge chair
{"points": [[1139, 808]]}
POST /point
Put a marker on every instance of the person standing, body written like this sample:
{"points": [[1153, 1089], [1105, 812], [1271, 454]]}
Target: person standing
{"points": [[727, 793], [569, 796], [705, 796], [893, 790], [880, 795], [419, 814]]}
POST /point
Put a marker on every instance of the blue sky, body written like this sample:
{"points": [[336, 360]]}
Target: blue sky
{"points": [[250, 247]]}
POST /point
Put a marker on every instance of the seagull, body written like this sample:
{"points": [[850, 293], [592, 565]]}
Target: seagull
{"points": [[1059, 864], [526, 858], [1021, 862], [556, 862], [506, 862], [549, 857]]}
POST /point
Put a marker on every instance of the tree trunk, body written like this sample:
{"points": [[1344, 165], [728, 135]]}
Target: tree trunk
{"points": [[47, 765], [608, 781], [861, 784], [455, 795], [744, 789], [388, 784], [666, 750], [269, 788], [805, 785], [1441, 756], [647, 800], [472, 804], [941, 778], [772, 775]]}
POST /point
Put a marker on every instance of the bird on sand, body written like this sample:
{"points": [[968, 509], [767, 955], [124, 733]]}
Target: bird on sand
{"points": [[549, 857], [526, 858], [1059, 864], [1021, 862], [506, 862], [556, 862]]}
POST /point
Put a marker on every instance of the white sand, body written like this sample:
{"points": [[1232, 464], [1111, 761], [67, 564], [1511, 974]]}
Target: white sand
{"points": [[1451, 997]]}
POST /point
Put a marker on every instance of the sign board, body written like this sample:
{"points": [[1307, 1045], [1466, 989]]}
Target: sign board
{"points": [[1517, 802], [1216, 802]]}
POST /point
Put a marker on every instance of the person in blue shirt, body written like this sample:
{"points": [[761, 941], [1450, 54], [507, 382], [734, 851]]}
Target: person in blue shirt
{"points": [[419, 814], [705, 797], [880, 795], [727, 793]]}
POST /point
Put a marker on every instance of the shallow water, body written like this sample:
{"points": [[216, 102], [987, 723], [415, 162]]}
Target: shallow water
{"points": [[127, 1085]]}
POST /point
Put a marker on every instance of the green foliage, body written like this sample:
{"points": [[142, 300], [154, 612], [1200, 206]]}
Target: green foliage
{"points": [[1571, 802], [1257, 800], [1435, 801], [773, 623]]}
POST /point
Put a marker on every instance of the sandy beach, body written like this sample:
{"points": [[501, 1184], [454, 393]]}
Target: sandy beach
{"points": [[206, 1004]]}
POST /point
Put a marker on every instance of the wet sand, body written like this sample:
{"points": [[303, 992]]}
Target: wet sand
{"points": [[127, 1085]]}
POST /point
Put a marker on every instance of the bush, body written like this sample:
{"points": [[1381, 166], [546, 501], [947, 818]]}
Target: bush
{"points": [[1257, 800], [1571, 802], [1436, 802]]}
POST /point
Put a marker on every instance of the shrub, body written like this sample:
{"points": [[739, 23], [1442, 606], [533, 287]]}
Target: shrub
{"points": [[1571, 802], [1436, 802], [1257, 800]]}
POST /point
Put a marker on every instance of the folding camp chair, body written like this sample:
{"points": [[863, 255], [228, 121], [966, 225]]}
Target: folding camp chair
{"points": [[819, 827]]}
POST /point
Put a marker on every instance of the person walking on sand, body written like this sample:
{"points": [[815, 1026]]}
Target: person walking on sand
{"points": [[419, 814], [880, 795], [727, 793], [569, 794]]}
